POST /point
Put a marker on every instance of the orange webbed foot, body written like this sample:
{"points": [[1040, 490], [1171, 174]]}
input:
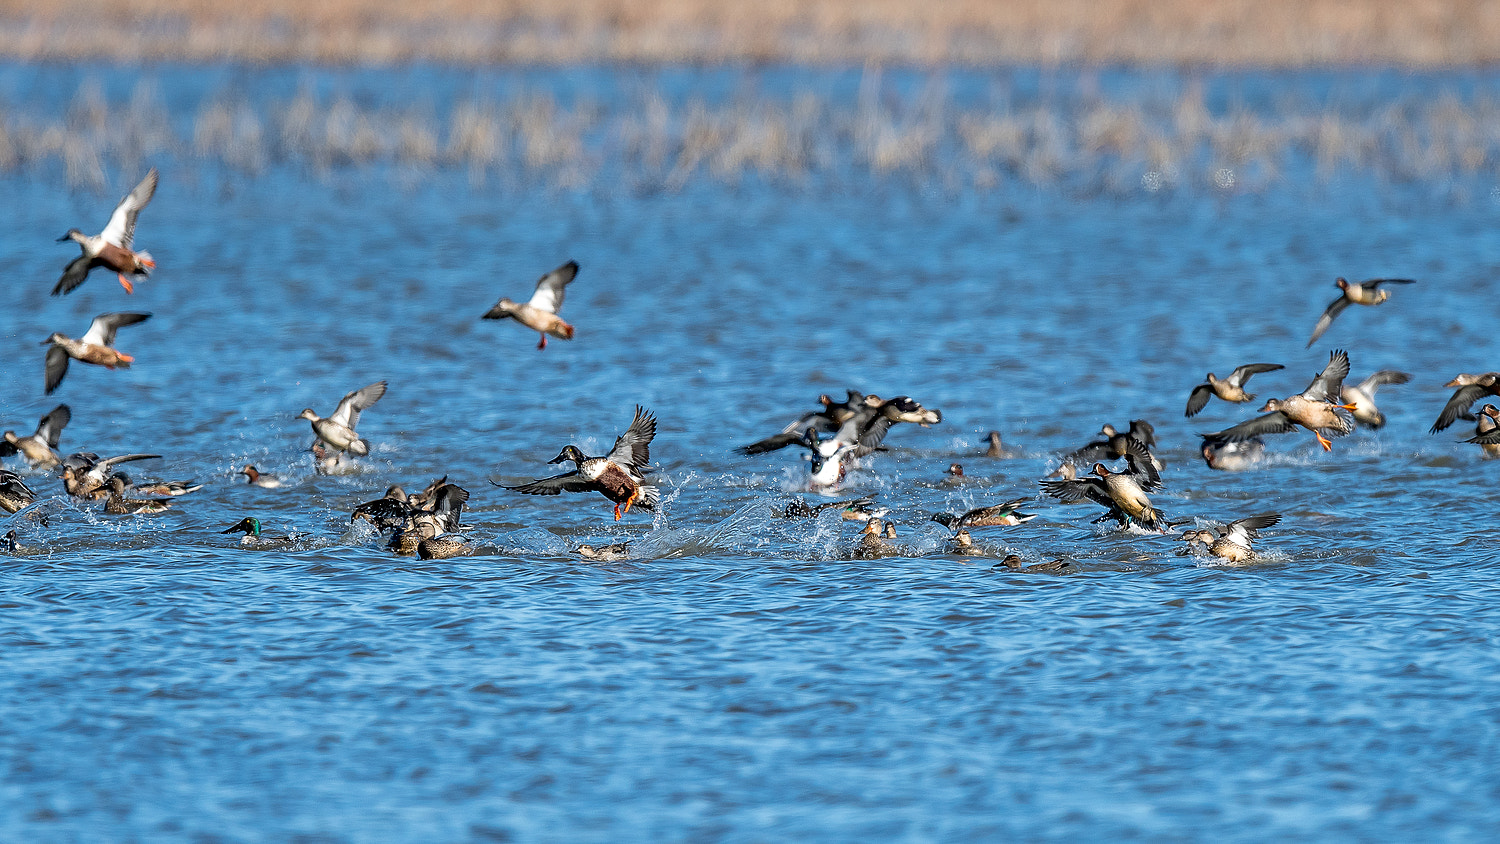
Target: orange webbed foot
{"points": [[125, 283], [617, 512], [1350, 406], [1327, 446], [629, 501]]}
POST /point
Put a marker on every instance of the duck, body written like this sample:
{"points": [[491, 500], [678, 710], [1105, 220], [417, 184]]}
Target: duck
{"points": [[84, 475], [439, 518], [956, 476], [1112, 447], [1318, 409], [1233, 456], [111, 247], [1229, 389], [254, 477], [15, 495], [96, 346], [119, 505], [38, 448], [799, 509], [1487, 432], [825, 421], [1015, 562], [618, 476], [1363, 293], [11, 545], [255, 538], [962, 541], [444, 547], [388, 512], [1471, 388], [604, 553], [337, 431], [330, 462], [1008, 514], [1123, 493], [1363, 396], [170, 488], [996, 448], [540, 314], [875, 541], [1232, 543]]}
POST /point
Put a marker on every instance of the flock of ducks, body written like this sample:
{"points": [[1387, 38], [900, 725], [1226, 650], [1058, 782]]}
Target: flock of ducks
{"points": [[832, 437]]}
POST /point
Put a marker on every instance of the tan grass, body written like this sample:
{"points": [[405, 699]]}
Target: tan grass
{"points": [[1232, 33]]}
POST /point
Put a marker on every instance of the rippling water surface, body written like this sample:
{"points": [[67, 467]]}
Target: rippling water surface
{"points": [[739, 677]]}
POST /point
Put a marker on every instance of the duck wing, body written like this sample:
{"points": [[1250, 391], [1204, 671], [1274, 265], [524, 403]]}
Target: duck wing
{"points": [[1241, 374], [121, 228], [555, 485], [1458, 405], [1198, 399], [1251, 524], [1274, 422], [102, 330], [633, 448], [74, 274], [1141, 464], [352, 404], [57, 367], [1335, 308], [1376, 282], [550, 287], [50, 428], [1092, 489], [1329, 383], [1384, 376]]}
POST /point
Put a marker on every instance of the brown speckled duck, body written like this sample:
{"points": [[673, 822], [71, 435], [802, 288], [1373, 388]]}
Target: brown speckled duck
{"points": [[38, 448], [1228, 389]]}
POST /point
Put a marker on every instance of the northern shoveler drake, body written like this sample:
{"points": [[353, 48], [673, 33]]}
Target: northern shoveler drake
{"points": [[799, 509], [618, 476], [1471, 388], [1363, 396], [38, 447], [1007, 514], [111, 247], [84, 475], [119, 505], [1318, 409], [10, 545], [1232, 543], [1487, 432], [15, 495], [540, 314], [337, 431], [1363, 293], [96, 347], [1235, 456], [255, 477], [605, 553], [1229, 389], [254, 538], [1124, 493]]}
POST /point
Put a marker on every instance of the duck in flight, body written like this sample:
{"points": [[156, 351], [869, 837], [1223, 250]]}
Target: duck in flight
{"points": [[540, 314], [1363, 293], [619, 476], [96, 347], [111, 247], [1228, 389], [337, 431], [1319, 409]]}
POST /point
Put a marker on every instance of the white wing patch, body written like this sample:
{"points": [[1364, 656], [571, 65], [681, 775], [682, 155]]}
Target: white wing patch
{"points": [[549, 289]]}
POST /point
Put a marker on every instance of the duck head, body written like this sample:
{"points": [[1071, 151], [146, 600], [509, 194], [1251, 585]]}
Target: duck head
{"points": [[569, 452], [73, 234], [1271, 406], [248, 526], [307, 413]]}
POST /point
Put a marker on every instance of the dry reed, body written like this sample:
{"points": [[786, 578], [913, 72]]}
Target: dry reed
{"points": [[1225, 33]]}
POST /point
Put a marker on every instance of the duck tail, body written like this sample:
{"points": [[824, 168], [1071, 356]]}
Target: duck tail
{"points": [[146, 262], [647, 498], [359, 447]]}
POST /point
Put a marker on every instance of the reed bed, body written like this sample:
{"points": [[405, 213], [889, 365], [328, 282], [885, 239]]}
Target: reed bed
{"points": [[650, 141], [1232, 33]]}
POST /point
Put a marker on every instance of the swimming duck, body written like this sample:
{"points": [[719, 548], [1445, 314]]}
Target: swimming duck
{"points": [[825, 421], [850, 509], [337, 431], [171, 488], [540, 314], [1233, 456], [1363, 293], [111, 247], [436, 520], [38, 447], [875, 541], [1124, 493], [1233, 544], [1015, 562], [1007, 514], [444, 547], [10, 545], [1471, 388], [84, 475], [955, 473], [1317, 409], [254, 538], [996, 447], [1363, 396], [605, 553], [1487, 432], [254, 477], [618, 476], [15, 495], [1229, 389], [962, 542], [96, 347], [119, 505]]}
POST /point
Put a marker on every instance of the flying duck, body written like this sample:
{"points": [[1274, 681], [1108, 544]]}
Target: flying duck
{"points": [[84, 475], [1487, 432], [38, 447], [337, 431], [111, 247], [540, 314], [618, 476], [1471, 388], [96, 347], [1233, 541], [1363, 396], [1363, 293], [1318, 409], [1123, 493], [1228, 389]]}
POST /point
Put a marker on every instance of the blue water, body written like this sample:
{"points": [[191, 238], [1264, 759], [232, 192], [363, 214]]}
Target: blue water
{"points": [[740, 678]]}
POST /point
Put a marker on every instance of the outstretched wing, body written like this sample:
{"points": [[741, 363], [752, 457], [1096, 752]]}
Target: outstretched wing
{"points": [[1381, 378], [57, 367], [1329, 383], [1335, 308], [1251, 524], [350, 406], [1458, 405], [549, 289], [1376, 282], [633, 448], [1141, 464], [121, 228], [555, 485], [50, 428], [1241, 374], [1078, 490], [1198, 399], [1274, 422], [102, 330], [76, 273]]}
